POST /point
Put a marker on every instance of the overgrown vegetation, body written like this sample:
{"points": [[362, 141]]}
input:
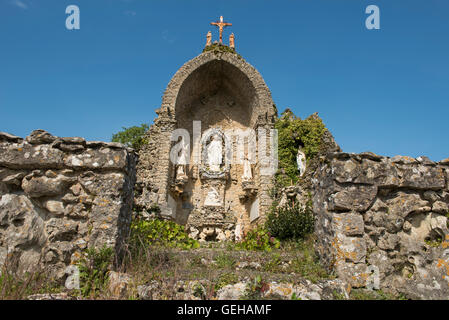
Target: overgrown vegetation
{"points": [[15, 286], [255, 289], [158, 232], [307, 264], [225, 279], [224, 260], [293, 132], [258, 239], [133, 137], [291, 221], [218, 48], [93, 267]]}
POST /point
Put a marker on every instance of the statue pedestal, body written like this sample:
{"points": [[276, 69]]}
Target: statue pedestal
{"points": [[214, 193], [211, 224], [212, 221], [249, 191], [178, 186]]}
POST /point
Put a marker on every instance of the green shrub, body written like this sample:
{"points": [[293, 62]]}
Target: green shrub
{"points": [[258, 240], [158, 232], [133, 137], [93, 267], [290, 222]]}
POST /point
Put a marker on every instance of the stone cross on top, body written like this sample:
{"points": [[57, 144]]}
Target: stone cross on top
{"points": [[220, 26]]}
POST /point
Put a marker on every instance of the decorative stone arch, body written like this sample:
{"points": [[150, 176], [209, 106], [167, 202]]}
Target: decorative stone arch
{"points": [[247, 76]]}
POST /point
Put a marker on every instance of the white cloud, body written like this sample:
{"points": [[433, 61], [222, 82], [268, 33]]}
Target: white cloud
{"points": [[20, 4]]}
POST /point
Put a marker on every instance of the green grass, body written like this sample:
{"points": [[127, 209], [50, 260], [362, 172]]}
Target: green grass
{"points": [[224, 260]]}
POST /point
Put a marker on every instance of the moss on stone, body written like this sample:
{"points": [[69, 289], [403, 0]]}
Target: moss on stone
{"points": [[220, 48]]}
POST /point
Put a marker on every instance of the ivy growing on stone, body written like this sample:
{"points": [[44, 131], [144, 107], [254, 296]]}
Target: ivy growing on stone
{"points": [[293, 132]]}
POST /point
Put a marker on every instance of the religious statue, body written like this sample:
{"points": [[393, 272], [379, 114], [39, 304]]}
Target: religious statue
{"points": [[247, 174], [212, 198], [231, 41], [209, 39], [182, 163], [215, 153], [301, 161], [220, 26]]}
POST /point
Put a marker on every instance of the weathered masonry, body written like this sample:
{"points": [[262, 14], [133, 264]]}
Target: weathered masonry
{"points": [[384, 222], [61, 195], [219, 196]]}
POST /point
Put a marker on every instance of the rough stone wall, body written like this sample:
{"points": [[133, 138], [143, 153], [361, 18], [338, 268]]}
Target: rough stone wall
{"points": [[61, 195], [386, 217], [154, 166]]}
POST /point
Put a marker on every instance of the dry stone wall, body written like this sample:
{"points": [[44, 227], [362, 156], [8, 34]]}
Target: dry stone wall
{"points": [[383, 222], [61, 195]]}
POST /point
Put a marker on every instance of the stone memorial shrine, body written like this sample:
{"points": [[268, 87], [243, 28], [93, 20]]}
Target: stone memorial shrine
{"points": [[220, 108], [211, 162]]}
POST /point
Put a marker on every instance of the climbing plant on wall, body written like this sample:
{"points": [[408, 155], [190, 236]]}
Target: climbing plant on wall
{"points": [[294, 132]]}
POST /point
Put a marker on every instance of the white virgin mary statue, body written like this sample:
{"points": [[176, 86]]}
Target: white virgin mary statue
{"points": [[182, 162], [247, 174], [301, 161], [215, 154]]}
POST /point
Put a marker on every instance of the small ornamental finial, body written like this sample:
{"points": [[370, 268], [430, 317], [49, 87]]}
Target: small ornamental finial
{"points": [[220, 26], [209, 39], [232, 41]]}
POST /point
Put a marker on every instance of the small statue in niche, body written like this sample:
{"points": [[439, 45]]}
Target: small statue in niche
{"points": [[301, 161], [215, 153], [247, 173], [182, 163]]}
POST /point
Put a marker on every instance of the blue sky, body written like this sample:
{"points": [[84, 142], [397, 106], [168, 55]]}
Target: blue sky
{"points": [[385, 91]]}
